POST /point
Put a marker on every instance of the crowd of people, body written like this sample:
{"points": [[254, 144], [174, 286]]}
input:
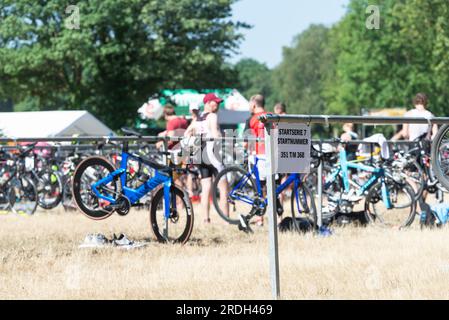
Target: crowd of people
{"points": [[205, 125]]}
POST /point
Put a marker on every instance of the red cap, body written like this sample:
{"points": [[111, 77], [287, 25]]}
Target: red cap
{"points": [[212, 97]]}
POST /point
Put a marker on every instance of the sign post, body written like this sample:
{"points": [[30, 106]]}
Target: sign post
{"points": [[288, 151], [272, 222]]}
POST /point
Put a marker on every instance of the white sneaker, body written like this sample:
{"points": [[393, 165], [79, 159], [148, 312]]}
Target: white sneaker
{"points": [[122, 240], [95, 241]]}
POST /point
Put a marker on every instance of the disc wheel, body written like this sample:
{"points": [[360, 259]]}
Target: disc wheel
{"points": [[88, 172]]}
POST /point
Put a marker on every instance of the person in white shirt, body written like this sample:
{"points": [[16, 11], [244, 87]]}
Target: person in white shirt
{"points": [[415, 132], [412, 131]]}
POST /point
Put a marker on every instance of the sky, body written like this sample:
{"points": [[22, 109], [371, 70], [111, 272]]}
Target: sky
{"points": [[276, 22]]}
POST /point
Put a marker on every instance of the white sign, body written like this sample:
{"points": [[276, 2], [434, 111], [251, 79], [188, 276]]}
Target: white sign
{"points": [[292, 144]]}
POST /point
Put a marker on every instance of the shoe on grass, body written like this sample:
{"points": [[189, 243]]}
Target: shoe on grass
{"points": [[95, 241], [121, 240]]}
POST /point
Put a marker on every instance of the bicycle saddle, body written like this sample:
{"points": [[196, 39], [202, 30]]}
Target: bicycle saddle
{"points": [[131, 132], [25, 150], [154, 164]]}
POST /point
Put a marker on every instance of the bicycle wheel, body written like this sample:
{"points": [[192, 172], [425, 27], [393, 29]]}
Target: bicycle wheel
{"points": [[89, 171], [240, 196], [440, 156], [6, 196], [331, 197], [25, 196], [311, 179], [414, 175], [49, 189], [178, 227], [303, 205], [401, 212]]}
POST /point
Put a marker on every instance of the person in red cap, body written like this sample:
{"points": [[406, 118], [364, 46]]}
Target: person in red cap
{"points": [[175, 126], [207, 126]]}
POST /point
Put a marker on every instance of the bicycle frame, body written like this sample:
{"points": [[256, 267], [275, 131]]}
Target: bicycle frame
{"points": [[291, 179], [343, 171], [134, 195]]}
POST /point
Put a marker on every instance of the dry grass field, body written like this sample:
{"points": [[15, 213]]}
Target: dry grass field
{"points": [[40, 259]]}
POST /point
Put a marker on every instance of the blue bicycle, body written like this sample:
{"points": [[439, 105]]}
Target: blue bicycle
{"points": [[245, 198], [389, 200], [100, 189]]}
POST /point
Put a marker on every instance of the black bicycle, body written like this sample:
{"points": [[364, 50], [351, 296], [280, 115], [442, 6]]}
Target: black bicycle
{"points": [[18, 192]]}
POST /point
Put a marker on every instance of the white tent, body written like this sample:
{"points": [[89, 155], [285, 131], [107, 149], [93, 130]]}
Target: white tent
{"points": [[51, 124]]}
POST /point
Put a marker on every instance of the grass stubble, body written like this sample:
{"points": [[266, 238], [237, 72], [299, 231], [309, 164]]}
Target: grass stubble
{"points": [[40, 259]]}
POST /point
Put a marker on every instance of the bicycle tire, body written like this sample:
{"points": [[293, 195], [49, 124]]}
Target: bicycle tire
{"points": [[28, 191], [375, 196], [157, 201], [418, 179], [310, 208], [330, 204], [215, 192], [436, 153], [76, 186], [58, 183]]}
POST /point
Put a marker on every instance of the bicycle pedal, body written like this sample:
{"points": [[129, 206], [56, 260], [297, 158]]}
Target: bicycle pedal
{"points": [[246, 229], [279, 208], [244, 224], [111, 207], [138, 205], [280, 212]]}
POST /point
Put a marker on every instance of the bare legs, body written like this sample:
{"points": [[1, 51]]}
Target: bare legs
{"points": [[223, 188], [206, 191], [206, 185]]}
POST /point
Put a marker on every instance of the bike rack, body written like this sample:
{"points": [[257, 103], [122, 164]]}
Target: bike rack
{"points": [[268, 121], [271, 119]]}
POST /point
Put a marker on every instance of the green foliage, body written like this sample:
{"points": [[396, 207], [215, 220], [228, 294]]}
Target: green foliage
{"points": [[298, 79], [123, 52], [387, 67], [126, 50], [349, 67], [254, 78]]}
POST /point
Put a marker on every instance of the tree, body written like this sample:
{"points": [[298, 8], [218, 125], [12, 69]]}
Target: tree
{"points": [[298, 80], [122, 52], [387, 67], [254, 78]]}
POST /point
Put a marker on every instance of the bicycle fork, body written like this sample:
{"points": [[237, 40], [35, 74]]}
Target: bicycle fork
{"points": [[169, 202], [386, 195]]}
